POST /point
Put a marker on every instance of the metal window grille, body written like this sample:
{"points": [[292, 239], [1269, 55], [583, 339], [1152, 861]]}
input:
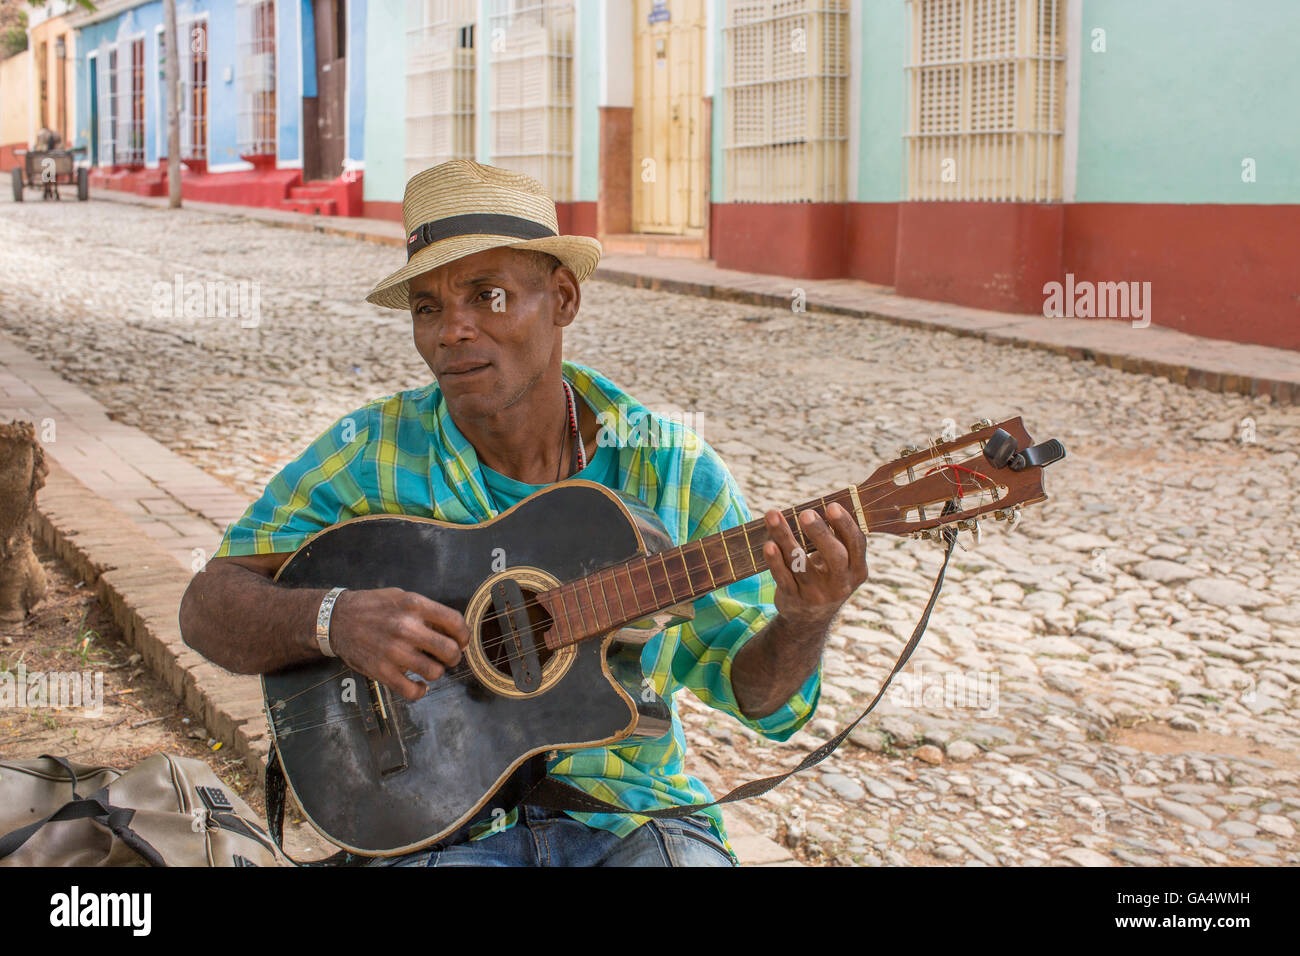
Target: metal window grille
{"points": [[106, 73], [125, 145], [440, 82], [530, 53], [786, 89], [255, 32], [987, 85], [194, 89]]}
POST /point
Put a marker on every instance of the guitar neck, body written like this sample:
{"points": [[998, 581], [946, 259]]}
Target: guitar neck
{"points": [[616, 596]]}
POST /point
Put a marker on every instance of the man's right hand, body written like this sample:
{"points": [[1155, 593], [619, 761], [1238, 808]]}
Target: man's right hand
{"points": [[386, 632]]}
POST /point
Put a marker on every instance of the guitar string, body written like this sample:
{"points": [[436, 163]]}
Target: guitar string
{"points": [[446, 680], [672, 578]]}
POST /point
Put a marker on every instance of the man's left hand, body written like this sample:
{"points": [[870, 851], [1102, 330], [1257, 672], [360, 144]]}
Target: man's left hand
{"points": [[811, 588]]}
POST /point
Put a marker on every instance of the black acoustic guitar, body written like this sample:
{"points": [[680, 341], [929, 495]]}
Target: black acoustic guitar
{"points": [[560, 593]]}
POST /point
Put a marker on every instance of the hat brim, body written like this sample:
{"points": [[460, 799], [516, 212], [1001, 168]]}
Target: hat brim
{"points": [[580, 253]]}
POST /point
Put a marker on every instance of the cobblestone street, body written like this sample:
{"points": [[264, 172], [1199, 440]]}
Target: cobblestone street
{"points": [[1135, 639]]}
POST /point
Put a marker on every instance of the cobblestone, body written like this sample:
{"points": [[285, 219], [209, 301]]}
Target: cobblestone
{"points": [[1137, 633]]}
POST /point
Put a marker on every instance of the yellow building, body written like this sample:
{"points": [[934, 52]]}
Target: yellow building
{"points": [[15, 107], [51, 46]]}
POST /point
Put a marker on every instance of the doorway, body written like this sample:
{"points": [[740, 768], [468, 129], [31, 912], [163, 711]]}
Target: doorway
{"points": [[325, 136], [668, 118]]}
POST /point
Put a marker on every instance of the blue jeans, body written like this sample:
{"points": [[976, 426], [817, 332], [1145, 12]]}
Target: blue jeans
{"points": [[553, 838]]}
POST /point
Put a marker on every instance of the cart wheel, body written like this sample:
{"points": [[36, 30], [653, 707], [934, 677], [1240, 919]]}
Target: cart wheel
{"points": [[17, 175], [83, 183]]}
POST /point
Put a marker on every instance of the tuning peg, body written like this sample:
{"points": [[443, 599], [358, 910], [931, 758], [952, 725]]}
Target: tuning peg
{"points": [[907, 450], [982, 423]]}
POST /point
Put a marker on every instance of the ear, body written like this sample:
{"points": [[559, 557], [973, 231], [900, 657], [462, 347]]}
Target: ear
{"points": [[568, 295]]}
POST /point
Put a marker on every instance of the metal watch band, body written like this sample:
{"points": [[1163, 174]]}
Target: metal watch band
{"points": [[323, 622]]}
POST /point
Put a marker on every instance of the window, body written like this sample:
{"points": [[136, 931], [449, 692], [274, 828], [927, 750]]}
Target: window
{"points": [[121, 107], [786, 100], [255, 42], [439, 82], [987, 86], [530, 51], [194, 89]]}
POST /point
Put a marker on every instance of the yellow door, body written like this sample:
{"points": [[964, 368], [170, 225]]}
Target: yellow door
{"points": [[668, 118]]}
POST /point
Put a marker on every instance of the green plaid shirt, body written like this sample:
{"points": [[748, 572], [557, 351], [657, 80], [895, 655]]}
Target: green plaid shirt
{"points": [[404, 455]]}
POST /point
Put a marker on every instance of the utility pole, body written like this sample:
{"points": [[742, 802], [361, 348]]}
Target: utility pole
{"points": [[173, 80]]}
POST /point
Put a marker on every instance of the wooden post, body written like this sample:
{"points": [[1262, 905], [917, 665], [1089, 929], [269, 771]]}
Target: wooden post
{"points": [[22, 474], [173, 80]]}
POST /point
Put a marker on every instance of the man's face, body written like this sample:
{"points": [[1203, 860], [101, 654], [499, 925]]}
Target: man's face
{"points": [[488, 326]]}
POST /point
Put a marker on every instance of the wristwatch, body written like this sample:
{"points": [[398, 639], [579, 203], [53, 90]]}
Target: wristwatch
{"points": [[323, 621]]}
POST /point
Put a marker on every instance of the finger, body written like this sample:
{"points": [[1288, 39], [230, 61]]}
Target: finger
{"points": [[399, 683], [851, 536], [778, 530], [417, 663], [447, 620], [422, 637], [781, 573], [823, 539]]}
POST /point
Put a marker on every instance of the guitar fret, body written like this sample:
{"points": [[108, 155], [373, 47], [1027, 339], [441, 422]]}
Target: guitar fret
{"points": [[618, 592], [582, 611], [668, 581], [631, 584], [564, 609], [726, 553], [749, 547], [604, 598], [680, 555], [695, 560], [595, 615], [650, 580]]}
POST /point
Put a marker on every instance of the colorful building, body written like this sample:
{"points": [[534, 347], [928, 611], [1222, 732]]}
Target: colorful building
{"points": [[967, 151], [271, 104]]}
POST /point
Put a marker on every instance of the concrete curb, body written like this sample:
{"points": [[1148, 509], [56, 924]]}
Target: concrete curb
{"points": [[141, 585]]}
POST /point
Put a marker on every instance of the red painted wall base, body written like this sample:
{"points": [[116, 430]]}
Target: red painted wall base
{"points": [[262, 186], [1221, 271]]}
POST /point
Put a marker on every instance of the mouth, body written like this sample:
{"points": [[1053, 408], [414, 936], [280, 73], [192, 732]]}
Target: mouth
{"points": [[464, 370]]}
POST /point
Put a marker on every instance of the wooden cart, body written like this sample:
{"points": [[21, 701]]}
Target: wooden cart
{"points": [[48, 169]]}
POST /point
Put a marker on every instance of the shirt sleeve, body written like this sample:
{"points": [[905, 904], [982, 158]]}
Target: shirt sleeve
{"points": [[317, 489], [726, 620]]}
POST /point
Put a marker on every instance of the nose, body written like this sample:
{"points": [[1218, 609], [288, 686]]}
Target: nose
{"points": [[458, 325]]}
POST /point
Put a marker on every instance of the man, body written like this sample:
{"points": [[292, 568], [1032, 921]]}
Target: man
{"points": [[491, 286]]}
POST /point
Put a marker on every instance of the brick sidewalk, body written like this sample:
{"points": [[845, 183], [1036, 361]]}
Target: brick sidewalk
{"points": [[117, 503], [1212, 364]]}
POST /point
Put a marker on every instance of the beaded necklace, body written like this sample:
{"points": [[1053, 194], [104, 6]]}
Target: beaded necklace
{"points": [[579, 460]]}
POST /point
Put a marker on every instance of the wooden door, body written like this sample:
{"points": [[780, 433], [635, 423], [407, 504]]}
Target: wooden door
{"points": [[327, 147], [668, 118]]}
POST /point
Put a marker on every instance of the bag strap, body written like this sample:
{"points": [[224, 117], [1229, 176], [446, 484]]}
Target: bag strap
{"points": [[551, 794], [94, 807], [275, 794]]}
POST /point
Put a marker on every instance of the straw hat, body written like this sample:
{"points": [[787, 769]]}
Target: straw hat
{"points": [[462, 207]]}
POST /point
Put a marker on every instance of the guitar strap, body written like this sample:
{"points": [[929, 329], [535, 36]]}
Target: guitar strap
{"points": [[550, 794]]}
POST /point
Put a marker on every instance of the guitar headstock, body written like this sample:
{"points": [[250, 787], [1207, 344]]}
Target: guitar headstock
{"points": [[992, 469]]}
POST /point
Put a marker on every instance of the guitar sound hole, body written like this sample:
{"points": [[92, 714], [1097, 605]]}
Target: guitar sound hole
{"points": [[500, 648]]}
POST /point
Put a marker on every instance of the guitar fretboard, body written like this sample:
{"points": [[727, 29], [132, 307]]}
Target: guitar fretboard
{"points": [[618, 595]]}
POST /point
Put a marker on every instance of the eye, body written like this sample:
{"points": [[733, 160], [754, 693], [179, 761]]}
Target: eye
{"points": [[486, 292]]}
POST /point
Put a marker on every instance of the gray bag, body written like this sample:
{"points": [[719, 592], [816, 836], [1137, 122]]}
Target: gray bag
{"points": [[164, 811]]}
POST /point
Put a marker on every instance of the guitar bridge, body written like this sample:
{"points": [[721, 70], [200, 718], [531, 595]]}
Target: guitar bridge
{"points": [[379, 721]]}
